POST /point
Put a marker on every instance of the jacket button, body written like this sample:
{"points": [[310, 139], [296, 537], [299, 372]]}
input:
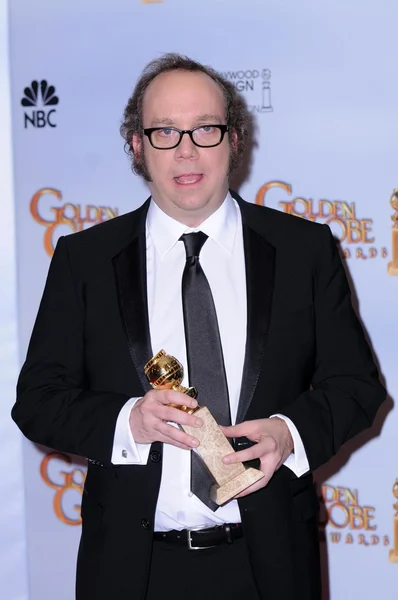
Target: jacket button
{"points": [[155, 456], [145, 523]]}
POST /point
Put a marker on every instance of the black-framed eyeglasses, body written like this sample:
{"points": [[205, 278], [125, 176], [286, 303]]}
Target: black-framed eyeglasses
{"points": [[204, 136]]}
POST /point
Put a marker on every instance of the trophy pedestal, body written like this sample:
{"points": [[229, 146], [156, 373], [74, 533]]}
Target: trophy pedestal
{"points": [[223, 493], [230, 479], [392, 269]]}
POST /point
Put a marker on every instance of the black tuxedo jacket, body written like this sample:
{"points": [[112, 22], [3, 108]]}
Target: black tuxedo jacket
{"points": [[306, 357]]}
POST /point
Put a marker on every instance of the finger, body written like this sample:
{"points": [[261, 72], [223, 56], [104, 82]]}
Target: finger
{"points": [[259, 450], [176, 435], [234, 430], [174, 415], [245, 429], [168, 440], [243, 455], [172, 397], [173, 442]]}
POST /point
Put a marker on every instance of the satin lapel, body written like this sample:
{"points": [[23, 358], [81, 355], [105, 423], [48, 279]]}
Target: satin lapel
{"points": [[260, 265], [130, 273]]}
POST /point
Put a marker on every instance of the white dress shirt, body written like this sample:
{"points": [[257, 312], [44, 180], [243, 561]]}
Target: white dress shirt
{"points": [[223, 261]]}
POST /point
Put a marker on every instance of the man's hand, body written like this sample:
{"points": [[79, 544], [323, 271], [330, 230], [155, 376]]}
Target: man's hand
{"points": [[274, 445], [150, 417]]}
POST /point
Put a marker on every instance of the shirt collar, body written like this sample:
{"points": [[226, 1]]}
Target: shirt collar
{"points": [[221, 226]]}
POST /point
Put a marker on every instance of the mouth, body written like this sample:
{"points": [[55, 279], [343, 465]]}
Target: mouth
{"points": [[187, 179]]}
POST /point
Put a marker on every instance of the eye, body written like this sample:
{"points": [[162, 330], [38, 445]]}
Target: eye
{"points": [[207, 129], [166, 132]]}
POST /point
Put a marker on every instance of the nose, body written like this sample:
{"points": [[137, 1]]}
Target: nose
{"points": [[186, 148]]}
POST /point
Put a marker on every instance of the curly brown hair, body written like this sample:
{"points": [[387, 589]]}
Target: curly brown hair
{"points": [[238, 115]]}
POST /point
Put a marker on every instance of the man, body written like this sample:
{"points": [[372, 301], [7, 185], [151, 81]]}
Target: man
{"points": [[255, 304]]}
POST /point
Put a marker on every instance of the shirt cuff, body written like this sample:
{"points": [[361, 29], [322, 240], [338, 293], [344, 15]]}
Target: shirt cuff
{"points": [[125, 450], [297, 461]]}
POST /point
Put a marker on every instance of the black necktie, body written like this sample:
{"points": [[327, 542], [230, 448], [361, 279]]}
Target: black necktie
{"points": [[204, 353]]}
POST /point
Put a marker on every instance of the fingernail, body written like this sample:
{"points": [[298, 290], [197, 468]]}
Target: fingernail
{"points": [[199, 422], [226, 460], [194, 442]]}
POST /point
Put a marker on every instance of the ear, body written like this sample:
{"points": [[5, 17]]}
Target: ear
{"points": [[233, 140], [136, 143]]}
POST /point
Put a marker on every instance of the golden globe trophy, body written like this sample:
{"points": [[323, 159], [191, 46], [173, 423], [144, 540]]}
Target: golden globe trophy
{"points": [[164, 372], [394, 550], [393, 265]]}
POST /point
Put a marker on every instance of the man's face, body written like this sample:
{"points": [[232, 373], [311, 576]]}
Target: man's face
{"points": [[188, 182]]}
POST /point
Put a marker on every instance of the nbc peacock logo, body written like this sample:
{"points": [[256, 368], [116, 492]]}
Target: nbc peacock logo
{"points": [[39, 94]]}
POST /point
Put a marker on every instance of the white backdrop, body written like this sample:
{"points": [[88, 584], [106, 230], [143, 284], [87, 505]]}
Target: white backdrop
{"points": [[321, 78]]}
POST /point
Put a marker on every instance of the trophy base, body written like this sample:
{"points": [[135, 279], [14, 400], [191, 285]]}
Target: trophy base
{"points": [[392, 269], [393, 556], [221, 494]]}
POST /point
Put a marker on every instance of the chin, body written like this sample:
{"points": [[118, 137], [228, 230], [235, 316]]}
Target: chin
{"points": [[192, 205]]}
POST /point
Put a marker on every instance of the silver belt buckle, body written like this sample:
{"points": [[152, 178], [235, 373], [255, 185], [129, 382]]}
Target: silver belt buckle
{"points": [[190, 547]]}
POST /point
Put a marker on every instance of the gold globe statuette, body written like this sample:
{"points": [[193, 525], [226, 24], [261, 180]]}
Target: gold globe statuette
{"points": [[394, 550], [393, 265], [165, 372]]}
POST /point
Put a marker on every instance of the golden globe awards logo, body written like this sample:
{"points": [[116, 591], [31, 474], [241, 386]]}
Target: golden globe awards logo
{"points": [[354, 232], [47, 210], [350, 521], [67, 481]]}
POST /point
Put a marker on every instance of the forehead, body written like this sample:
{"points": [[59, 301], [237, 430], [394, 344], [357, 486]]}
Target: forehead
{"points": [[182, 94]]}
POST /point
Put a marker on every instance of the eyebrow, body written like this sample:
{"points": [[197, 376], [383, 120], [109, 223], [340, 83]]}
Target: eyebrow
{"points": [[205, 118], [208, 117]]}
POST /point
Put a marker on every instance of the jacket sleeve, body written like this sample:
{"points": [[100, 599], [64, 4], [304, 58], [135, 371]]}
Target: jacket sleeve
{"points": [[53, 405], [346, 392]]}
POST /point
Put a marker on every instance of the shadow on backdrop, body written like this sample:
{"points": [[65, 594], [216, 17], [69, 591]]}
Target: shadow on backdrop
{"points": [[241, 175], [341, 459]]}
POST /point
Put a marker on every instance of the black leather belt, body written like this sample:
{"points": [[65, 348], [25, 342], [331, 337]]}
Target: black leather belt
{"points": [[201, 538]]}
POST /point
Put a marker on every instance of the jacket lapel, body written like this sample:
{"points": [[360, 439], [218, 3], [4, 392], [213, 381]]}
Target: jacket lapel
{"points": [[260, 266], [131, 282]]}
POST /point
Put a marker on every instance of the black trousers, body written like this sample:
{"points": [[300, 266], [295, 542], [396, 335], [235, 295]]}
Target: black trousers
{"points": [[221, 572]]}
